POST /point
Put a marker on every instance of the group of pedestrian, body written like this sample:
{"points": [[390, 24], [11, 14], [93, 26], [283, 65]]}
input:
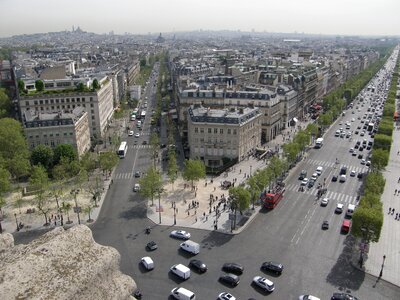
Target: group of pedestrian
{"points": [[391, 212]]}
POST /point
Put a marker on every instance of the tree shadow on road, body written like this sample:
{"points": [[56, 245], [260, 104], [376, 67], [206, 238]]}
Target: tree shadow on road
{"points": [[343, 275], [215, 239], [138, 211]]}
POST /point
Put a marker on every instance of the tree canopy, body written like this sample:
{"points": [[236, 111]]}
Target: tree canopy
{"points": [[150, 184], [194, 170]]}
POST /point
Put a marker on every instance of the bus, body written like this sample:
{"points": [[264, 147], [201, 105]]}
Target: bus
{"points": [[143, 115], [123, 148]]}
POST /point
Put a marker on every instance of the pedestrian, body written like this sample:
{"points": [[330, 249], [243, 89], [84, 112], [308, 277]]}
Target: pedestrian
{"points": [[195, 219], [398, 192], [395, 192], [214, 188], [390, 209], [188, 213], [398, 180]]}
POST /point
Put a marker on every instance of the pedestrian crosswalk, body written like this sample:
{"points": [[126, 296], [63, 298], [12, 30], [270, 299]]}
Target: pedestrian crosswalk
{"points": [[339, 197], [123, 176], [140, 146], [328, 164]]}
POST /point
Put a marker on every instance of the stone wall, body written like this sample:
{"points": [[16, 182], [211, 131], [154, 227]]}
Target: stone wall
{"points": [[62, 264]]}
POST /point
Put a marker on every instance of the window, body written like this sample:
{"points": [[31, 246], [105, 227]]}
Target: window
{"points": [[41, 101], [209, 130], [91, 104], [27, 103], [92, 117], [52, 101], [221, 131], [229, 131], [215, 130], [201, 130], [46, 101], [57, 101], [196, 130], [234, 131]]}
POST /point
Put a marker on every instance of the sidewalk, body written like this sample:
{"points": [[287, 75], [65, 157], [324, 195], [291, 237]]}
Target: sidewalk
{"points": [[205, 213]]}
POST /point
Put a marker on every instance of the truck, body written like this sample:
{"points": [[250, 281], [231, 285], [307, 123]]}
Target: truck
{"points": [[319, 142], [271, 198]]}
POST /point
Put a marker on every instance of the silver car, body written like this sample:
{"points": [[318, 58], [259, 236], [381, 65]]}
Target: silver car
{"points": [[180, 234], [264, 283]]}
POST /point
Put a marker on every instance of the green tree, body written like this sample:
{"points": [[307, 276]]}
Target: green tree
{"points": [[367, 223], [4, 180], [66, 151], [89, 162], [108, 160], [19, 166], [2, 204], [291, 150], [66, 207], [21, 86], [88, 210], [18, 203], [172, 169], [379, 159], [256, 186], [155, 147], [194, 170], [43, 155], [374, 183], [150, 184], [94, 188], [40, 182], [39, 85], [80, 87], [95, 84], [240, 200], [12, 139], [5, 104]]}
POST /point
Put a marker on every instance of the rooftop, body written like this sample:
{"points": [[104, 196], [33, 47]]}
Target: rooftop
{"points": [[200, 114]]}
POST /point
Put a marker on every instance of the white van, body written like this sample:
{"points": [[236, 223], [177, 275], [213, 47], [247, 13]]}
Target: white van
{"points": [[181, 293], [190, 247], [350, 210], [319, 170], [147, 262], [181, 271]]}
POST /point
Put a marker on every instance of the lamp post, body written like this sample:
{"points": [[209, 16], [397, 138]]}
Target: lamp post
{"points": [[174, 207], [383, 264], [16, 221], [250, 169], [159, 204], [77, 208]]}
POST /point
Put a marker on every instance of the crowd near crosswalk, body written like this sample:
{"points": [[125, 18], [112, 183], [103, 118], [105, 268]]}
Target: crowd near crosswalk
{"points": [[336, 196], [327, 164]]}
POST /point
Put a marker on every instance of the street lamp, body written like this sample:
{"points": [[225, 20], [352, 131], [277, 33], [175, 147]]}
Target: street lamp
{"points": [[250, 169], [174, 207], [383, 264], [160, 190], [77, 208], [16, 221]]}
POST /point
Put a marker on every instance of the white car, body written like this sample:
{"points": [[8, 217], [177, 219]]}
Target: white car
{"points": [[363, 162], [319, 170], [368, 163], [130, 133], [136, 187], [351, 150], [314, 176], [226, 296], [137, 134], [147, 262], [353, 173], [324, 201], [339, 208], [180, 234], [342, 178], [264, 283], [304, 181], [308, 297]]}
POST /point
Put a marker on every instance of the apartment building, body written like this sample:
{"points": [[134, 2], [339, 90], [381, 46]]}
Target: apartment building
{"points": [[218, 134], [98, 104], [267, 102], [133, 72], [52, 129]]}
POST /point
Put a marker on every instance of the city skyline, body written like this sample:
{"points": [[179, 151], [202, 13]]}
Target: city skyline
{"points": [[354, 17]]}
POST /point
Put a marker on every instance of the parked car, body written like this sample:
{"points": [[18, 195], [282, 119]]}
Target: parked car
{"points": [[271, 266], [303, 174], [151, 246], [130, 133], [264, 283], [304, 181], [334, 178], [339, 208], [180, 234], [308, 297], [147, 262], [233, 268], [198, 265], [231, 279]]}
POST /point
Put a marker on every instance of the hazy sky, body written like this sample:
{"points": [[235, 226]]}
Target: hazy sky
{"points": [[350, 17]]}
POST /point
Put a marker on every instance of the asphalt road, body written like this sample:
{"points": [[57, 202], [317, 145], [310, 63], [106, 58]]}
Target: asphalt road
{"points": [[315, 261]]}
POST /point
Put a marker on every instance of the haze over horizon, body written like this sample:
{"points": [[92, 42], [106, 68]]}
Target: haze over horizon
{"points": [[340, 17]]}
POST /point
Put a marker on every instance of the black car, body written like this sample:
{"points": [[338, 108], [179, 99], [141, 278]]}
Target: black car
{"points": [[356, 146], [144, 143], [360, 156], [151, 246], [233, 268], [230, 279], [311, 183], [277, 268], [198, 265], [360, 175], [303, 174], [343, 296], [361, 149], [334, 178], [137, 174]]}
